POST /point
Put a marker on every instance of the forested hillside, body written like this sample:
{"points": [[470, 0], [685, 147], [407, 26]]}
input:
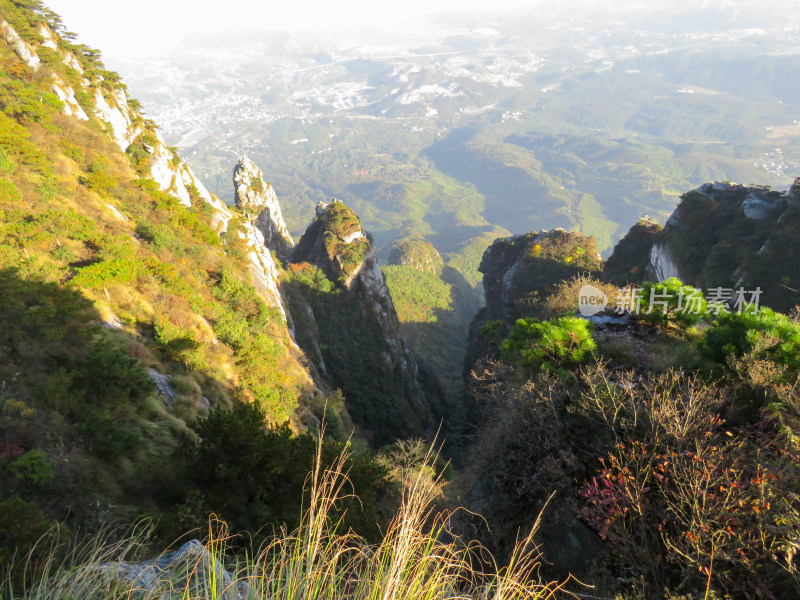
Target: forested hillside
{"points": [[137, 312], [334, 429], [659, 431]]}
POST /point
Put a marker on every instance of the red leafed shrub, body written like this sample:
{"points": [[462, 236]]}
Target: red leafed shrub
{"points": [[703, 509]]}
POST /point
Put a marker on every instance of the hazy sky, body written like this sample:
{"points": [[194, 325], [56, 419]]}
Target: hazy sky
{"points": [[148, 26]]}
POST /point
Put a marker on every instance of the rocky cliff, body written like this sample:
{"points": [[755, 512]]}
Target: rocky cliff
{"points": [[631, 259], [88, 92], [720, 235], [257, 200], [347, 320], [154, 305], [83, 90], [519, 271]]}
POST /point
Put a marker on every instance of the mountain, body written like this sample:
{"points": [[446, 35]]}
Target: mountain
{"points": [[147, 328], [168, 358], [576, 116], [635, 429], [721, 235], [519, 273], [351, 328], [258, 201]]}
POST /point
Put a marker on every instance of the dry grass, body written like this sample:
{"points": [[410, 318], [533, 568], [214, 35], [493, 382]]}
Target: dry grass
{"points": [[317, 561], [564, 299]]}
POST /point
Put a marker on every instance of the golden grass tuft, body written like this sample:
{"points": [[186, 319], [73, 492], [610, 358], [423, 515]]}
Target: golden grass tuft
{"points": [[317, 561]]}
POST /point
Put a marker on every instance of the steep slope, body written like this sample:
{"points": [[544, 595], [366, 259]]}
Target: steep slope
{"points": [[642, 439], [518, 273], [630, 260], [435, 305], [133, 301], [257, 200], [347, 323], [721, 235]]}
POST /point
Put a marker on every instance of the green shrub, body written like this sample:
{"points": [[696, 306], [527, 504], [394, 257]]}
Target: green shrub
{"points": [[110, 376], [140, 158], [231, 329], [70, 223], [26, 103], [195, 224], [494, 331], [22, 525], [15, 142], [8, 191], [774, 335], [63, 254], [108, 435], [670, 303], [242, 298], [107, 272], [32, 467], [177, 341], [551, 345], [162, 237], [6, 166], [100, 181], [253, 475], [311, 276]]}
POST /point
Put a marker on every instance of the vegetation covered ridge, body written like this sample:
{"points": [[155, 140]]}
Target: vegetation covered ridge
{"points": [[669, 429], [136, 308]]}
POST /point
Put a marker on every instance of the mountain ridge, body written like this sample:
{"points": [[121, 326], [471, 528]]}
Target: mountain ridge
{"points": [[168, 357]]}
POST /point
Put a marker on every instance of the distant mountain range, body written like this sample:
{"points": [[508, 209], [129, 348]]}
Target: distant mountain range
{"points": [[570, 118]]}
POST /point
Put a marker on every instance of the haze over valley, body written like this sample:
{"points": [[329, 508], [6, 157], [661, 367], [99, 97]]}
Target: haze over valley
{"points": [[577, 115], [351, 297]]}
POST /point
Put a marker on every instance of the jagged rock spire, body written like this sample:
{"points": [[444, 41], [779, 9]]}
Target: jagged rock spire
{"points": [[258, 201], [336, 243]]}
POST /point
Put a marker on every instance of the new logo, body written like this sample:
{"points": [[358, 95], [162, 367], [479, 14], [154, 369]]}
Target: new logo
{"points": [[591, 300]]}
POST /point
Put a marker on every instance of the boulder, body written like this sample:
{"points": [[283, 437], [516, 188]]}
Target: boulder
{"points": [[192, 568]]}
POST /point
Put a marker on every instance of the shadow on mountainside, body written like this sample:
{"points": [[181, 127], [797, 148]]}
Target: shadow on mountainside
{"points": [[96, 431]]}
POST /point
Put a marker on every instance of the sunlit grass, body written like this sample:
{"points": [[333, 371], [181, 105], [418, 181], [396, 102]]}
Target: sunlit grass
{"points": [[317, 561]]}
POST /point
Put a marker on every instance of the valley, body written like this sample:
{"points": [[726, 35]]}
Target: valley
{"points": [[455, 310], [456, 126]]}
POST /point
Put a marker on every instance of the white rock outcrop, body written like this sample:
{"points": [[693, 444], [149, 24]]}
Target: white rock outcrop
{"points": [[167, 172], [263, 269], [67, 95], [258, 201], [48, 41], [72, 62], [662, 262], [116, 112], [21, 48]]}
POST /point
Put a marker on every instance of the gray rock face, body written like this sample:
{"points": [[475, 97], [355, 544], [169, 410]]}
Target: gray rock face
{"points": [[164, 387], [662, 264], [364, 279], [191, 567], [258, 200], [335, 243], [376, 293], [517, 266], [762, 209], [631, 258]]}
